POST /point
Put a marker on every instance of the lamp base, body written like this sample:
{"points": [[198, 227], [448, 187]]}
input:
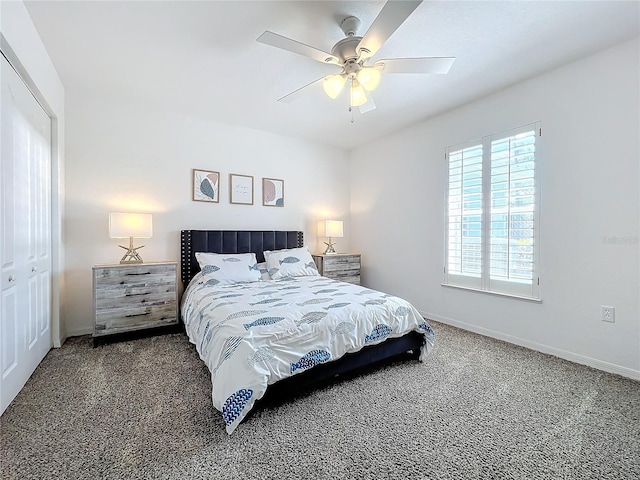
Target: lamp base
{"points": [[132, 255], [330, 250]]}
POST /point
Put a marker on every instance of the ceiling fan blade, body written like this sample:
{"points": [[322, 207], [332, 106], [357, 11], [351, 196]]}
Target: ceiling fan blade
{"points": [[296, 94], [370, 105], [275, 40], [392, 15], [433, 65]]}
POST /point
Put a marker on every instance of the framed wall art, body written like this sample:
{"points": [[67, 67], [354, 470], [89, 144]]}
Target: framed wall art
{"points": [[272, 192], [206, 186], [241, 189]]}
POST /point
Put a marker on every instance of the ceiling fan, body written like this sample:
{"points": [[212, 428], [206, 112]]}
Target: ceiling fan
{"points": [[351, 54]]}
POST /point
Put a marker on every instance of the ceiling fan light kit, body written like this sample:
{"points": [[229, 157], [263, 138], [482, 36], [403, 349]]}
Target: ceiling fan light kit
{"points": [[352, 53], [358, 97], [333, 85], [369, 78]]}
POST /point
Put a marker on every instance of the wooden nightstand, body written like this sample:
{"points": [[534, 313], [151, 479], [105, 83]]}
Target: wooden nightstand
{"points": [[339, 266], [134, 298]]}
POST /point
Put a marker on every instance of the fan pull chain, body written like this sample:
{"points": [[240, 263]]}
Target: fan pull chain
{"points": [[351, 111]]}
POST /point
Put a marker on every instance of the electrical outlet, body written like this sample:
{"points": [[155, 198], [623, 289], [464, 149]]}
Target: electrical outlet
{"points": [[608, 314]]}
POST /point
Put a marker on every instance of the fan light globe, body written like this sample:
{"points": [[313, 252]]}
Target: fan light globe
{"points": [[333, 85], [358, 97], [369, 78]]}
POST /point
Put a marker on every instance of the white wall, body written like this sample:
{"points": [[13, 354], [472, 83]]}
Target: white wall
{"points": [[589, 154], [122, 156], [23, 47]]}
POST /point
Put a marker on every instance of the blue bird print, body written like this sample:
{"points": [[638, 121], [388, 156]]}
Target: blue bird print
{"points": [[378, 333], [402, 311], [311, 359], [234, 405], [311, 265], [289, 260], [254, 267], [212, 282], [263, 321], [231, 259], [326, 290]]}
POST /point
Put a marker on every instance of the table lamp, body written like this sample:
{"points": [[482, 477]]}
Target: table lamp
{"points": [[330, 229], [123, 225]]}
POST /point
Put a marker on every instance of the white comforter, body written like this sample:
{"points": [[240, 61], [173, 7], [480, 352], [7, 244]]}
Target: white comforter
{"points": [[251, 335]]}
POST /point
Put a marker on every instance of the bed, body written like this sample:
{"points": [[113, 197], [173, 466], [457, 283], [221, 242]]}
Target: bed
{"points": [[267, 325]]}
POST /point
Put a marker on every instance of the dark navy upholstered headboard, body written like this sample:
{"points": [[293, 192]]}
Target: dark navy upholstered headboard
{"points": [[231, 241]]}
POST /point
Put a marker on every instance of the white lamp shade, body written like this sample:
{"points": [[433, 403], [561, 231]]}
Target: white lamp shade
{"points": [[358, 97], [330, 228], [124, 225], [333, 85], [369, 78]]}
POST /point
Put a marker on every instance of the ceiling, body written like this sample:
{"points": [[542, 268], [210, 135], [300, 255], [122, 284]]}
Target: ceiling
{"points": [[202, 59]]}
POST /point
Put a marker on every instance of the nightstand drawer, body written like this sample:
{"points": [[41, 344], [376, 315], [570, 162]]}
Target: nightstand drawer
{"points": [[136, 318], [147, 295], [338, 264], [135, 275]]}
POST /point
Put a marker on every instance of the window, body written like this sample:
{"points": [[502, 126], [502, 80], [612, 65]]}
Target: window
{"points": [[492, 214]]}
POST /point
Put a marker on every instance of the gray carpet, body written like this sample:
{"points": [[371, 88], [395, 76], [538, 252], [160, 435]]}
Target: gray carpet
{"points": [[477, 409]]}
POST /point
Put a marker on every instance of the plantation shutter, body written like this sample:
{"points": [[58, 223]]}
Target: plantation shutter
{"points": [[492, 214], [464, 216], [512, 232]]}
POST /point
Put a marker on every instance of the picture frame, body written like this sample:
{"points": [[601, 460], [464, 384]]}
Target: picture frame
{"points": [[273, 192], [240, 189], [205, 186]]}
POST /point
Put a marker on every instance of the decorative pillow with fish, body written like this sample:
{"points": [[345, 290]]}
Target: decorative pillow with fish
{"points": [[292, 262], [264, 271], [227, 269]]}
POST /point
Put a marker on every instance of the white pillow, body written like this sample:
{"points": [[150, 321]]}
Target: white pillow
{"points": [[229, 268], [292, 262], [264, 271]]}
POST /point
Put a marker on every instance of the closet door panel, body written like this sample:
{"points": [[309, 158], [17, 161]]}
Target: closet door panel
{"points": [[25, 239], [8, 330]]}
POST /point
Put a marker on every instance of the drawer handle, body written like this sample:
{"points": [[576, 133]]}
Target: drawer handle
{"points": [[143, 273], [138, 315], [34, 269], [12, 278]]}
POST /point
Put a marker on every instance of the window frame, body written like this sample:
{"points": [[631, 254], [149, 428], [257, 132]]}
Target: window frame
{"points": [[484, 283]]}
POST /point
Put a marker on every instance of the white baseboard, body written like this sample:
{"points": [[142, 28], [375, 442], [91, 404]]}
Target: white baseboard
{"points": [[557, 352]]}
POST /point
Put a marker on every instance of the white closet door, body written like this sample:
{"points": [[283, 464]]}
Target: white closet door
{"points": [[25, 236]]}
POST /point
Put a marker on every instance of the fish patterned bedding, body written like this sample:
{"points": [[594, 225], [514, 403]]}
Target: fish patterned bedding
{"points": [[251, 335]]}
